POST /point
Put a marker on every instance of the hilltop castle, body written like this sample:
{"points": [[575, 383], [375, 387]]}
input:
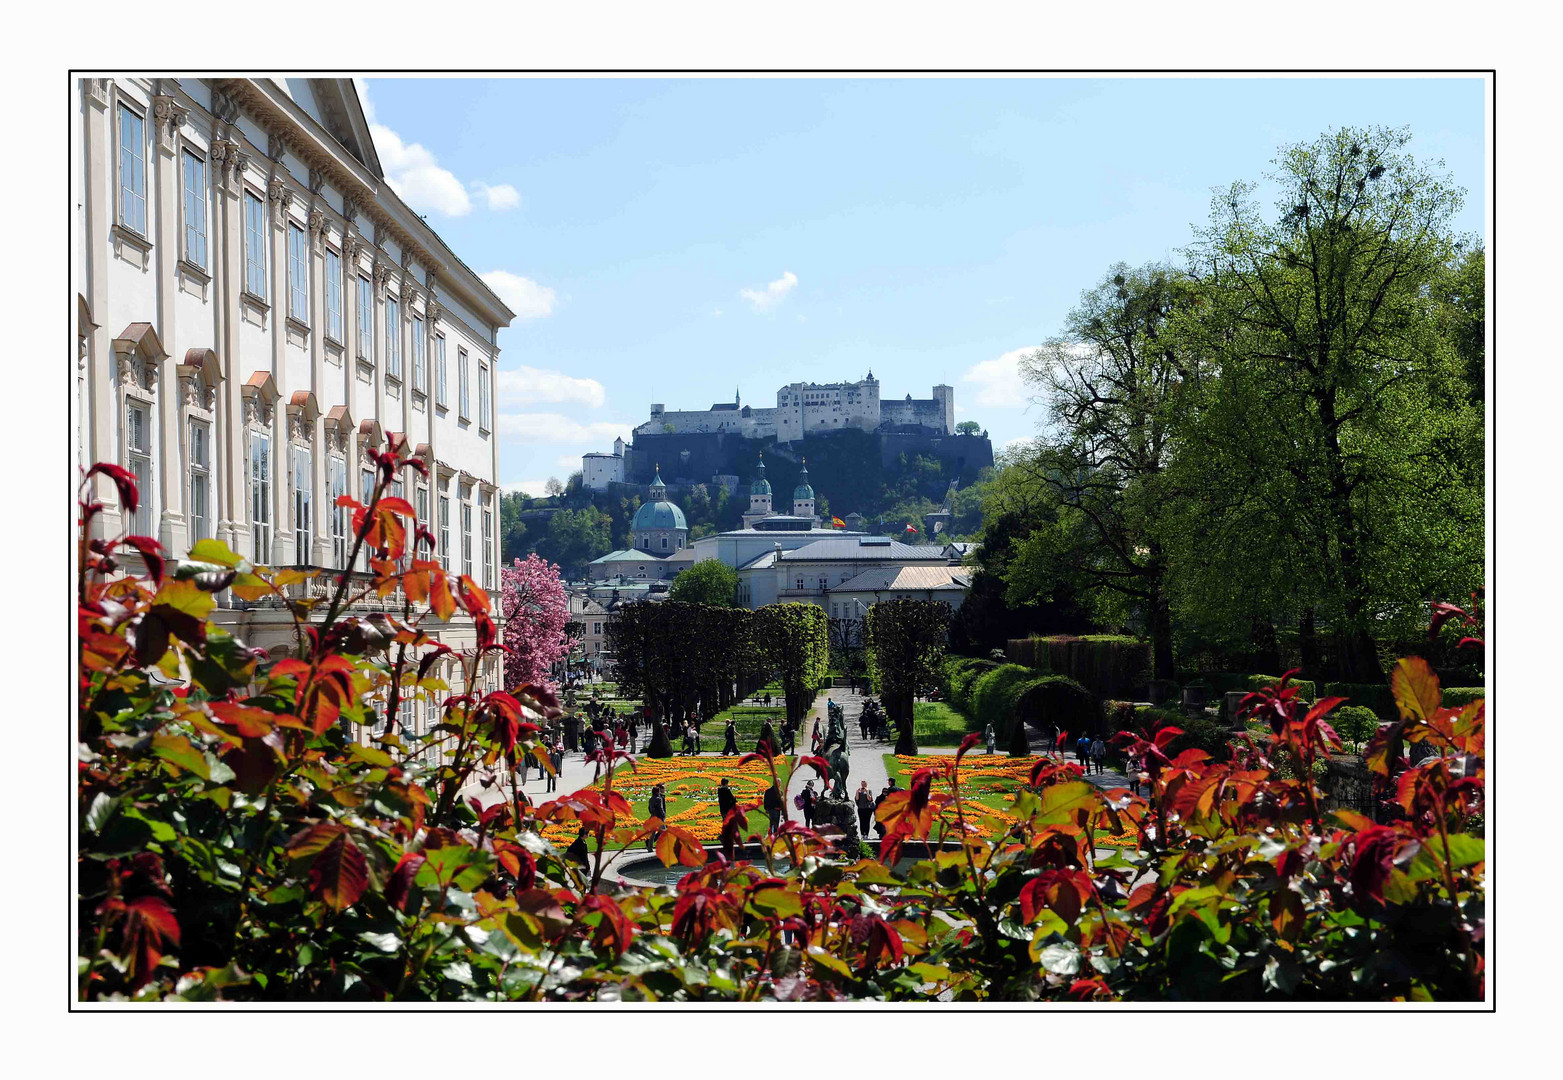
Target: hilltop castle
{"points": [[802, 409]]}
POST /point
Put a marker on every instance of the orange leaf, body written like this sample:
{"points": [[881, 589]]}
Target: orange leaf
{"points": [[1415, 687]]}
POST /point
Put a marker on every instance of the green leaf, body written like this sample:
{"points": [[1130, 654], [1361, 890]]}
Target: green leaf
{"points": [[1060, 959], [776, 903], [102, 808], [1466, 850], [178, 750], [215, 551], [385, 942], [1062, 802], [162, 831], [370, 754], [820, 956]]}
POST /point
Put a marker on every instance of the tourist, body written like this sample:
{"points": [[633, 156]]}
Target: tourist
{"points": [[805, 803], [865, 808], [775, 807], [862, 723], [632, 732], [879, 826], [814, 738], [1098, 752], [727, 803], [1083, 751], [730, 743], [556, 759], [577, 852], [656, 807], [990, 738]]}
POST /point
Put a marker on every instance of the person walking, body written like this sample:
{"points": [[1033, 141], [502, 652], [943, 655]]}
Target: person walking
{"points": [[730, 742], [775, 807], [990, 738], [556, 759], [814, 738], [862, 723], [656, 807], [865, 808], [806, 801], [727, 803], [879, 826], [1098, 752], [632, 732]]}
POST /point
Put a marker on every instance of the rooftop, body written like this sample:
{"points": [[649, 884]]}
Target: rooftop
{"points": [[907, 577], [859, 547]]}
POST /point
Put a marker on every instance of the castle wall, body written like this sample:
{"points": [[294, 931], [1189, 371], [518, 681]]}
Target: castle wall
{"points": [[962, 456]]}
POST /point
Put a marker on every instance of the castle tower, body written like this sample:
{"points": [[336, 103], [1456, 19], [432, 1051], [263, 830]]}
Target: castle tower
{"points": [[803, 494], [759, 497]]}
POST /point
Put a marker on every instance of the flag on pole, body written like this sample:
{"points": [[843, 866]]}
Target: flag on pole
{"points": [[909, 527], [838, 523]]}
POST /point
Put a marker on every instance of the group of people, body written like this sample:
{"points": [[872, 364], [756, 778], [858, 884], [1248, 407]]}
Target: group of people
{"points": [[873, 722], [1089, 751]]}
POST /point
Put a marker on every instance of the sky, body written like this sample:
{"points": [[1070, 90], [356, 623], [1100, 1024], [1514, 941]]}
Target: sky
{"points": [[670, 240]]}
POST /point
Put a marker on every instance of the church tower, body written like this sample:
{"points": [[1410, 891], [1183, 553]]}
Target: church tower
{"points": [[759, 497], [803, 494]]}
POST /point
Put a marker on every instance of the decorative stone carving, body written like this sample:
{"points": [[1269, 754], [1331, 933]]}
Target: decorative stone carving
{"points": [[350, 209], [382, 274], [168, 115], [298, 428], [432, 309], [317, 180], [241, 163], [257, 411], [274, 145], [98, 92], [317, 225], [224, 107], [198, 394], [137, 372], [280, 196]]}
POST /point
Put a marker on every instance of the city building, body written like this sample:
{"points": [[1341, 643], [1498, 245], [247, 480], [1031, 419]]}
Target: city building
{"points": [[808, 573], [599, 470], [256, 308], [853, 597]]}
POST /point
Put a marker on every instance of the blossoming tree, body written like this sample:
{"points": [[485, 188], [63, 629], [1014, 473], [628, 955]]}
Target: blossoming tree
{"points": [[535, 610]]}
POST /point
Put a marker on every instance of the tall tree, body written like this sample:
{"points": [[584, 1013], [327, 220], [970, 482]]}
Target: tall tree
{"points": [[794, 641], [535, 610], [1113, 383], [709, 582], [1335, 377], [906, 643]]}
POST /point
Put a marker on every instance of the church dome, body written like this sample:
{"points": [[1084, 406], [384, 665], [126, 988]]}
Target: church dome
{"points": [[659, 513]]}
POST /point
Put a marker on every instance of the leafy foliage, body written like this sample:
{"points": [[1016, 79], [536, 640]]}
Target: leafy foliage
{"points": [[906, 640], [794, 645], [711, 582]]}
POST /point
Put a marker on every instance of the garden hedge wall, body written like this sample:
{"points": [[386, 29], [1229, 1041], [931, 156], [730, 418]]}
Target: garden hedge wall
{"points": [[1108, 665], [1011, 693]]}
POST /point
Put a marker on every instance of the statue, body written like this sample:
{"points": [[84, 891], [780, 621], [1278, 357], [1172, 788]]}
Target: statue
{"points": [[837, 733], [840, 767]]}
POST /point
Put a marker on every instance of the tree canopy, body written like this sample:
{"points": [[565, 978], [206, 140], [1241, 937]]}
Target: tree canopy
{"points": [[710, 582]]}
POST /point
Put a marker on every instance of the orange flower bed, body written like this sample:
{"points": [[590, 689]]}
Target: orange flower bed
{"points": [[686, 780]]}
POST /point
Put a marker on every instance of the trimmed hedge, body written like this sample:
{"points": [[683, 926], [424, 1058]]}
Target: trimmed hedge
{"points": [[1106, 664], [1305, 687], [1375, 696], [1458, 697], [1355, 724], [958, 675], [1007, 694]]}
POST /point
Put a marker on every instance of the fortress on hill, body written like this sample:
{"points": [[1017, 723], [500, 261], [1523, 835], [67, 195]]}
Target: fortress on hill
{"points": [[803, 410]]}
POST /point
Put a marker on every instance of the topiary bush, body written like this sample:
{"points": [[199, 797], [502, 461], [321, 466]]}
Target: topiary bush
{"points": [[1305, 687], [1457, 697], [1355, 724]]}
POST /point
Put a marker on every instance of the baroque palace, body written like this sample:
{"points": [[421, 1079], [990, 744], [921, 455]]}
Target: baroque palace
{"points": [[256, 307]]}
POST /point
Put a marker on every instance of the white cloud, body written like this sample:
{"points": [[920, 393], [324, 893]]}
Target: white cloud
{"points": [[497, 196], [998, 381], [560, 429], [533, 488], [528, 385], [774, 293], [569, 463], [415, 174], [525, 297]]}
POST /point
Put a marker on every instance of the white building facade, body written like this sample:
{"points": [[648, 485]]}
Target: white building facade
{"points": [[256, 308]]}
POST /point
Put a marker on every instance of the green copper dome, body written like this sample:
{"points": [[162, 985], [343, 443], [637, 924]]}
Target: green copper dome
{"points": [[659, 513]]}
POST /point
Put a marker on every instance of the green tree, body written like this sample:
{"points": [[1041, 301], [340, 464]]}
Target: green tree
{"points": [[794, 643], [1114, 382], [575, 538], [1338, 385], [906, 642], [967, 427], [710, 582]]}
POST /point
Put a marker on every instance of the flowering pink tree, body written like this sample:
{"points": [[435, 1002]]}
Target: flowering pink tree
{"points": [[535, 610]]}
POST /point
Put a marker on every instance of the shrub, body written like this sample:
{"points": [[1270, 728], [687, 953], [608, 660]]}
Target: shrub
{"points": [[1356, 724], [957, 677], [1375, 696], [1012, 694], [1457, 697]]}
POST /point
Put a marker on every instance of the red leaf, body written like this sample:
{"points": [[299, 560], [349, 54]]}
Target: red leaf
{"points": [[966, 744], [151, 553], [124, 480], [398, 890], [149, 924], [340, 874]]}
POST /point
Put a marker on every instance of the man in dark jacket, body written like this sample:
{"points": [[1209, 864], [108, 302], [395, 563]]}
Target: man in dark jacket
{"points": [[775, 807], [730, 746], [727, 803], [807, 797], [656, 807]]}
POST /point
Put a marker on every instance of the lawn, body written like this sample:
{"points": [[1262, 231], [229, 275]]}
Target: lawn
{"points": [[691, 785], [988, 782], [936, 724]]}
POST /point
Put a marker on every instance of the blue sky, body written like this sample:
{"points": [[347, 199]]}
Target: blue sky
{"points": [[666, 240]]}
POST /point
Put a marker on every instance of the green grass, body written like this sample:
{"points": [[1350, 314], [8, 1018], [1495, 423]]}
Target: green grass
{"points": [[934, 723]]}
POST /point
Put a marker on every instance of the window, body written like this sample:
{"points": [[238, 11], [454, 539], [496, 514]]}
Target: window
{"points": [[596, 628], [338, 514], [461, 379], [396, 489], [488, 548], [138, 459], [333, 295], [368, 486], [664, 543], [195, 209], [365, 319], [132, 170], [419, 353], [260, 495], [200, 480], [800, 583], [393, 338], [483, 424], [254, 245], [466, 529], [303, 506], [422, 506], [439, 369], [408, 717], [445, 532], [298, 273]]}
